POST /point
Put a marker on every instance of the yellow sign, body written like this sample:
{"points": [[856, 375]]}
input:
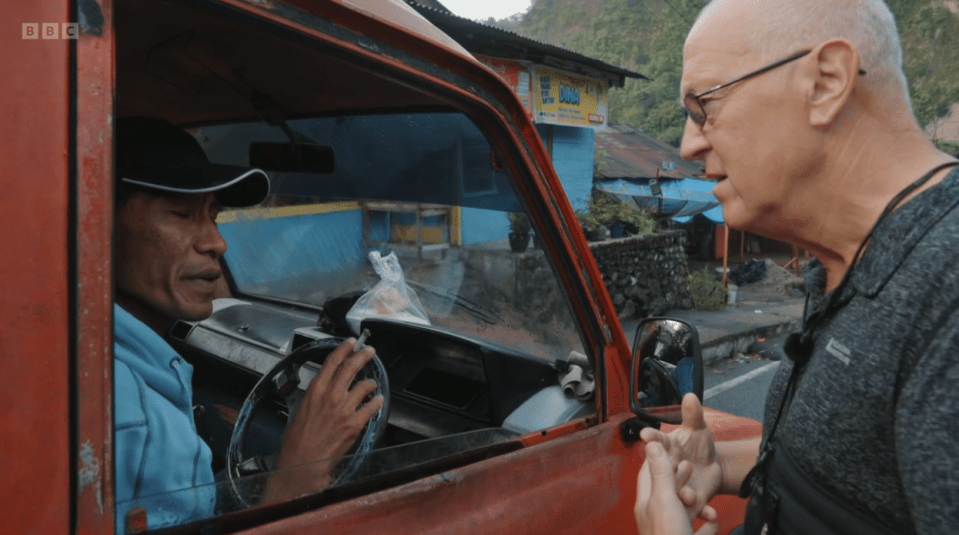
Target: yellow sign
{"points": [[568, 99]]}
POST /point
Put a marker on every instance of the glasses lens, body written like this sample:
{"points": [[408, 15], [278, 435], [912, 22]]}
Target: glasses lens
{"points": [[694, 110]]}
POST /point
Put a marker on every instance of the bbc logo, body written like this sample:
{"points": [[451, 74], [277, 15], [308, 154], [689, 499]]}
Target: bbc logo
{"points": [[50, 30]]}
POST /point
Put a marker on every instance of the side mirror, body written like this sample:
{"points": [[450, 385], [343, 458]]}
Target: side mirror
{"points": [[667, 364]]}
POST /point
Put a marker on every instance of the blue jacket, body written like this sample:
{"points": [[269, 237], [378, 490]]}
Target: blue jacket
{"points": [[156, 446]]}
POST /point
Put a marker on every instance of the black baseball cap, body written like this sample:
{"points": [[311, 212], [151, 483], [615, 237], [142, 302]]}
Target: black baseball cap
{"points": [[155, 154]]}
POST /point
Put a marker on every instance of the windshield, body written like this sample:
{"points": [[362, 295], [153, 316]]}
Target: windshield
{"points": [[425, 187]]}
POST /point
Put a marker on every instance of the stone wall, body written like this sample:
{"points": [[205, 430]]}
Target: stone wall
{"points": [[645, 275], [524, 280]]}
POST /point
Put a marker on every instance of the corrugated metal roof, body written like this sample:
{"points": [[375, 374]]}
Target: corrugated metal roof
{"points": [[628, 152], [481, 38]]}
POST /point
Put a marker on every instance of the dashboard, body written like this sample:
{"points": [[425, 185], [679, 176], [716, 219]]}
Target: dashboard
{"points": [[450, 394]]}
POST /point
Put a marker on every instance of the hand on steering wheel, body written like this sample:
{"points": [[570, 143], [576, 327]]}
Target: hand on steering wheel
{"points": [[662, 389], [344, 410]]}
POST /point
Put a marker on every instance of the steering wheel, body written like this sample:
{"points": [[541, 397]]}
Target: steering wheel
{"points": [[283, 380], [660, 381]]}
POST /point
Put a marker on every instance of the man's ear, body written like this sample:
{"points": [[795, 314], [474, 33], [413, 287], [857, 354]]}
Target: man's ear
{"points": [[834, 80]]}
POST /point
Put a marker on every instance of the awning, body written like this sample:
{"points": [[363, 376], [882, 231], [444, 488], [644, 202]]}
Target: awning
{"points": [[679, 199]]}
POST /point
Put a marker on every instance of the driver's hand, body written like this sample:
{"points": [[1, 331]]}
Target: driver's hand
{"points": [[329, 419], [693, 443]]}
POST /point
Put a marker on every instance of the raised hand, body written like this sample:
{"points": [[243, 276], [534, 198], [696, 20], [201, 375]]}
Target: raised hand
{"points": [[693, 444], [659, 510]]}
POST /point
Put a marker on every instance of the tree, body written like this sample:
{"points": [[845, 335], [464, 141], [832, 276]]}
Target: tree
{"points": [[931, 60], [647, 36]]}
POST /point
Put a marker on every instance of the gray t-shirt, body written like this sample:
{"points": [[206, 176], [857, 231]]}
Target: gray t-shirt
{"points": [[875, 414]]}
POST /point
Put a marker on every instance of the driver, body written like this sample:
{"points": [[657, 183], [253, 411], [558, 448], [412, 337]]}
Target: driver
{"points": [[669, 369], [167, 254]]}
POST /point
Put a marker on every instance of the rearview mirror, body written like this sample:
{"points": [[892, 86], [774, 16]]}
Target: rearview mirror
{"points": [[667, 364], [293, 157]]}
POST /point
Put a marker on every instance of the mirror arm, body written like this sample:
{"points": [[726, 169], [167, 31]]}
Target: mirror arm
{"points": [[631, 428]]}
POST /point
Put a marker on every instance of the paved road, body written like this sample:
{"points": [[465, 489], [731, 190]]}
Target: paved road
{"points": [[738, 386]]}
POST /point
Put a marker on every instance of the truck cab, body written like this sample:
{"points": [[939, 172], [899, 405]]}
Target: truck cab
{"points": [[514, 399]]}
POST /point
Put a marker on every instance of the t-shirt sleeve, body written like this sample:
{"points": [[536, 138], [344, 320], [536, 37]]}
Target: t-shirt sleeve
{"points": [[927, 432]]}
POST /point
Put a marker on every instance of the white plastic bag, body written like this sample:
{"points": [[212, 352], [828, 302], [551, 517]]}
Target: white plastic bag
{"points": [[391, 298]]}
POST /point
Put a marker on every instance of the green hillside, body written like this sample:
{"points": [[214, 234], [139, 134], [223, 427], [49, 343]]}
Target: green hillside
{"points": [[647, 36]]}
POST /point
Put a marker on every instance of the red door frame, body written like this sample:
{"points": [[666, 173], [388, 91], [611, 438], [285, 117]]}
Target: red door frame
{"points": [[35, 294]]}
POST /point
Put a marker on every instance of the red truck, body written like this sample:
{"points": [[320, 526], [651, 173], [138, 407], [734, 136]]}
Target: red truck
{"points": [[514, 400]]}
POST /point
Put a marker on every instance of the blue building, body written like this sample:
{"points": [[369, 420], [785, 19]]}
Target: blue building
{"points": [[636, 167], [565, 93]]}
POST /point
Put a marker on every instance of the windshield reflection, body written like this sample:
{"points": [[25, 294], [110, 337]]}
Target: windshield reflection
{"points": [[423, 186]]}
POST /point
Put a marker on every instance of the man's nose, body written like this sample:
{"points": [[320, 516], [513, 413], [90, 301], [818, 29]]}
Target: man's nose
{"points": [[694, 144], [210, 240]]}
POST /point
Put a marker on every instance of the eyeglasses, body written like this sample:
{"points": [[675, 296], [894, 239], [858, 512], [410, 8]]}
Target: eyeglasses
{"points": [[694, 106]]}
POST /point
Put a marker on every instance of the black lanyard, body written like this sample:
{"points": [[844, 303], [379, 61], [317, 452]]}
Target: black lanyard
{"points": [[799, 346]]}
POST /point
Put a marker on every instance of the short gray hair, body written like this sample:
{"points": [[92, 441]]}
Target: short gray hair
{"points": [[781, 27]]}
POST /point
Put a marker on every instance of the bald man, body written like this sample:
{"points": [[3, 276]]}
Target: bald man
{"points": [[801, 112]]}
